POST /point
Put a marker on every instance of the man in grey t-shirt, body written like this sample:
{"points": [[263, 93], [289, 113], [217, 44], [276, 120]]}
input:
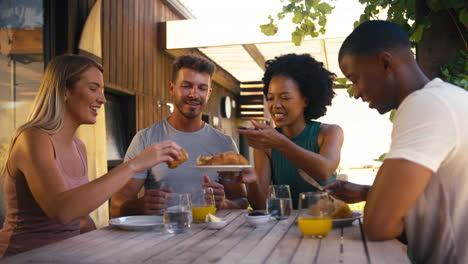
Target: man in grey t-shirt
{"points": [[190, 91], [206, 141]]}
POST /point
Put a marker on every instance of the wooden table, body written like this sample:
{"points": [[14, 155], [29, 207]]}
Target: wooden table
{"points": [[275, 242]]}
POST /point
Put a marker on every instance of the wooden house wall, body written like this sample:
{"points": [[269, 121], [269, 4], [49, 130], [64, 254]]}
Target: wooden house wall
{"points": [[135, 65], [226, 125]]}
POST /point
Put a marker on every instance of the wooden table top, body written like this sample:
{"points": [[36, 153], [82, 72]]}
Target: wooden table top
{"points": [[237, 242]]}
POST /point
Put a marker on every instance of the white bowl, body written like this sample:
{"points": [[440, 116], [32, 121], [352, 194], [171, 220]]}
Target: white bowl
{"points": [[257, 220], [216, 225]]}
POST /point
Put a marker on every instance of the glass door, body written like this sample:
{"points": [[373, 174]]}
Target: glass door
{"points": [[21, 62]]}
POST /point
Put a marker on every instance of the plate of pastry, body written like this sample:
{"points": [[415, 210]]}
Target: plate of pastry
{"points": [[342, 222], [227, 161], [342, 215], [222, 167]]}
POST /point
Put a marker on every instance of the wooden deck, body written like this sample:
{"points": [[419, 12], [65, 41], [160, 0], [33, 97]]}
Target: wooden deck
{"points": [[237, 242]]}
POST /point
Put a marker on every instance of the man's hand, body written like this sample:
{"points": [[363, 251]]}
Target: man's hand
{"points": [[347, 191], [247, 175], [218, 191], [154, 201]]}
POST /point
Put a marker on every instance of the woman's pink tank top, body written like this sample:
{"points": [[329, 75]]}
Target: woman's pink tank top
{"points": [[26, 226]]}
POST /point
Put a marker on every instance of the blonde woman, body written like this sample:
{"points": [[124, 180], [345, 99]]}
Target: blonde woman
{"points": [[47, 194]]}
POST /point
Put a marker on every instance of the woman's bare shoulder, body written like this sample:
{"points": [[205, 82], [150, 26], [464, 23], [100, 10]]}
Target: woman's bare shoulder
{"points": [[31, 145], [330, 133], [33, 135], [32, 140], [330, 129]]}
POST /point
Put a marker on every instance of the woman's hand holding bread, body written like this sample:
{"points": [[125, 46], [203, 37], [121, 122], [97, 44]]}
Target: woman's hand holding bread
{"points": [[164, 151]]}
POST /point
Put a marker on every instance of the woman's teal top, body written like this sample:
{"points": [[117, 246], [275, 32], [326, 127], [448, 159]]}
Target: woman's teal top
{"points": [[285, 172]]}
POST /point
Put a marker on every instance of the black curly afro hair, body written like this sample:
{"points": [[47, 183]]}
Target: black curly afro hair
{"points": [[315, 82]]}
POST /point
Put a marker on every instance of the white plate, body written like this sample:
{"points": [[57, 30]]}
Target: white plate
{"points": [[138, 222], [346, 221], [222, 167]]}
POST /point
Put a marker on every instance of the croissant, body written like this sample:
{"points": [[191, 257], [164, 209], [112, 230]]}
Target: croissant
{"points": [[338, 209], [341, 210], [226, 158]]}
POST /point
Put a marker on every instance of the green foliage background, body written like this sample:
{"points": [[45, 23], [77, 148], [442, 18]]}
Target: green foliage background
{"points": [[311, 20], [309, 15]]}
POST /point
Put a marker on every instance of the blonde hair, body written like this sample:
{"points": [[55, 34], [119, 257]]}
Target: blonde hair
{"points": [[48, 108]]}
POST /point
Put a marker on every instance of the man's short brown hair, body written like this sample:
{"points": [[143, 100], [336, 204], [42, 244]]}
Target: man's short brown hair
{"points": [[194, 62]]}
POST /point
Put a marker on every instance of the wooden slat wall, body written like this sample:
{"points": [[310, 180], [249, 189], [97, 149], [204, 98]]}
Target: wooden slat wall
{"points": [[133, 62], [247, 98]]}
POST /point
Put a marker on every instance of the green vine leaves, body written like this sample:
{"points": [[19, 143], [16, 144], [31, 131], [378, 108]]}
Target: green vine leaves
{"points": [[310, 18], [456, 71], [402, 12], [308, 15]]}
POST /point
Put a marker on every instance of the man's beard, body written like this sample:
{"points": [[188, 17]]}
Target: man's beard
{"points": [[192, 114]]}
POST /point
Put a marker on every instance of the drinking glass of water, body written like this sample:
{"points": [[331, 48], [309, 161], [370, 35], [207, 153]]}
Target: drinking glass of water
{"points": [[178, 214], [279, 202]]}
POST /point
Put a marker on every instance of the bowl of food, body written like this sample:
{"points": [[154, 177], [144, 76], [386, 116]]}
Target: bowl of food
{"points": [[216, 225], [256, 218], [214, 222]]}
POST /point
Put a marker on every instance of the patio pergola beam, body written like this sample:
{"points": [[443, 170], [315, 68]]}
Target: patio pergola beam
{"points": [[323, 49], [256, 55]]}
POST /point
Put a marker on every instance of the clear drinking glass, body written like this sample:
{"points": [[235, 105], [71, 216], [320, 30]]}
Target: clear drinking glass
{"points": [[203, 203], [314, 214], [279, 202], [178, 214]]}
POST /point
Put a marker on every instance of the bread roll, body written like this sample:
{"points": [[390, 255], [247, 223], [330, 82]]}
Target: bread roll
{"points": [[341, 210], [176, 163], [337, 208], [226, 158]]}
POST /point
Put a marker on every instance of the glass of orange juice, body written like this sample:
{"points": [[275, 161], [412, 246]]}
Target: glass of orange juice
{"points": [[203, 203], [314, 218]]}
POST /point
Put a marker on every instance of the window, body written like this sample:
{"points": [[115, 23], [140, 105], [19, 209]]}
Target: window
{"points": [[119, 131], [21, 62]]}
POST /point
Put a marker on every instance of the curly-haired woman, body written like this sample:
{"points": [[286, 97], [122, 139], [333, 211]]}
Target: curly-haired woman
{"points": [[298, 89]]}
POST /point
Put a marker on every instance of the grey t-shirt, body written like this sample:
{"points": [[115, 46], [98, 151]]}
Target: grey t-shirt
{"points": [[206, 141]]}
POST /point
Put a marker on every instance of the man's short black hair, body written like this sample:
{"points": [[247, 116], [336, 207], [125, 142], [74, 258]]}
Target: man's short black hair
{"points": [[315, 82], [193, 62], [373, 37]]}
